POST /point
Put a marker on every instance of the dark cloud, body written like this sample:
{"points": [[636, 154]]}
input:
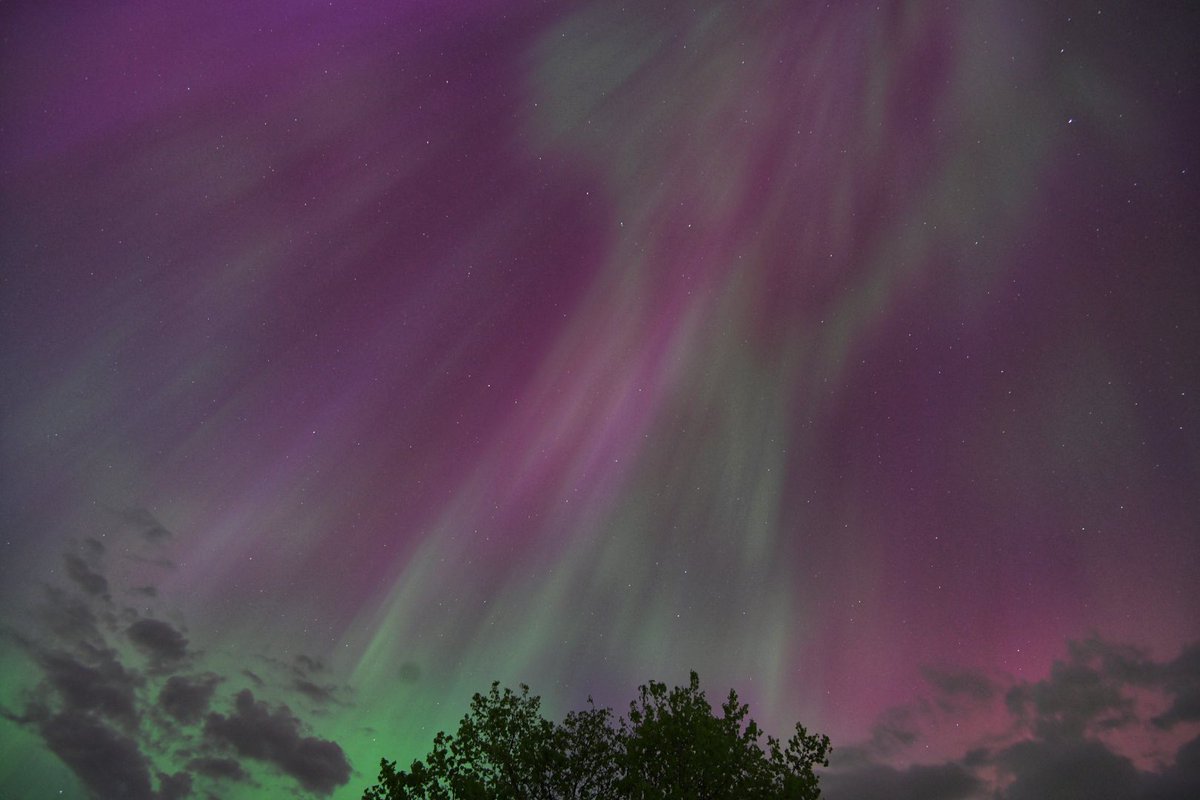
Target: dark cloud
{"points": [[305, 674], [308, 665], [1060, 723], [69, 617], [1182, 780], [1089, 770], [1124, 664], [85, 577], [174, 787], [918, 782], [1181, 678], [219, 769], [960, 682], [187, 699], [256, 731], [145, 523], [108, 762], [1036, 769], [316, 693], [104, 687], [116, 726], [957, 692], [1090, 690], [1074, 697], [895, 730], [1186, 708], [160, 641], [1083, 769], [1186, 667]]}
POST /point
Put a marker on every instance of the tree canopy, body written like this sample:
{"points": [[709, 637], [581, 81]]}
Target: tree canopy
{"points": [[670, 746]]}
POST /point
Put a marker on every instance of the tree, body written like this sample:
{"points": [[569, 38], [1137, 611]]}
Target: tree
{"points": [[676, 748], [504, 750], [671, 747]]}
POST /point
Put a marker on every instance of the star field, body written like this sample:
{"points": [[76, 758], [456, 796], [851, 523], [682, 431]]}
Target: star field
{"points": [[358, 355]]}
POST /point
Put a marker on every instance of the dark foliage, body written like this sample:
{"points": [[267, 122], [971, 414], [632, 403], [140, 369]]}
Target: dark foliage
{"points": [[671, 746]]}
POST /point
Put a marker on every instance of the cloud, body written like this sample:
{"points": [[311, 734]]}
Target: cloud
{"points": [[1089, 692], [1074, 734], [1186, 708], [1120, 662], [87, 579], [972, 685], [1074, 698], [159, 641], [145, 523], [107, 698], [256, 731], [187, 699], [309, 665], [69, 618], [105, 687], [1182, 780], [109, 763], [174, 787], [1087, 770], [317, 693], [895, 730], [305, 669], [219, 769], [1182, 678], [918, 782]]}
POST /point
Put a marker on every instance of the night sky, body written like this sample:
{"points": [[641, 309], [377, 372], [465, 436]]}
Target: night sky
{"points": [[356, 355]]}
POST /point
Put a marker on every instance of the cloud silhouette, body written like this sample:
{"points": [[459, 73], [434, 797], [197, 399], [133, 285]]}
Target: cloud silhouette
{"points": [[319, 694], [84, 576], [145, 523], [108, 762], [307, 665], [918, 782], [960, 682], [1181, 780], [1182, 678], [111, 691], [275, 736], [187, 699], [1066, 769], [1050, 738], [219, 768], [69, 618], [159, 641], [104, 687]]}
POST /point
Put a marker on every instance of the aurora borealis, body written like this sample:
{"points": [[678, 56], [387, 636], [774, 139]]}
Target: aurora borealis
{"points": [[356, 355]]}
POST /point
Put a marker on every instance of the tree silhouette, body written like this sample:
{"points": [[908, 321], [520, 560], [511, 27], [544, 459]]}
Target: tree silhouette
{"points": [[671, 747]]}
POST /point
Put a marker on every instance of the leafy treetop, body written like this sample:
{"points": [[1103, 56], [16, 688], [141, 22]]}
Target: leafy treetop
{"points": [[671, 746]]}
